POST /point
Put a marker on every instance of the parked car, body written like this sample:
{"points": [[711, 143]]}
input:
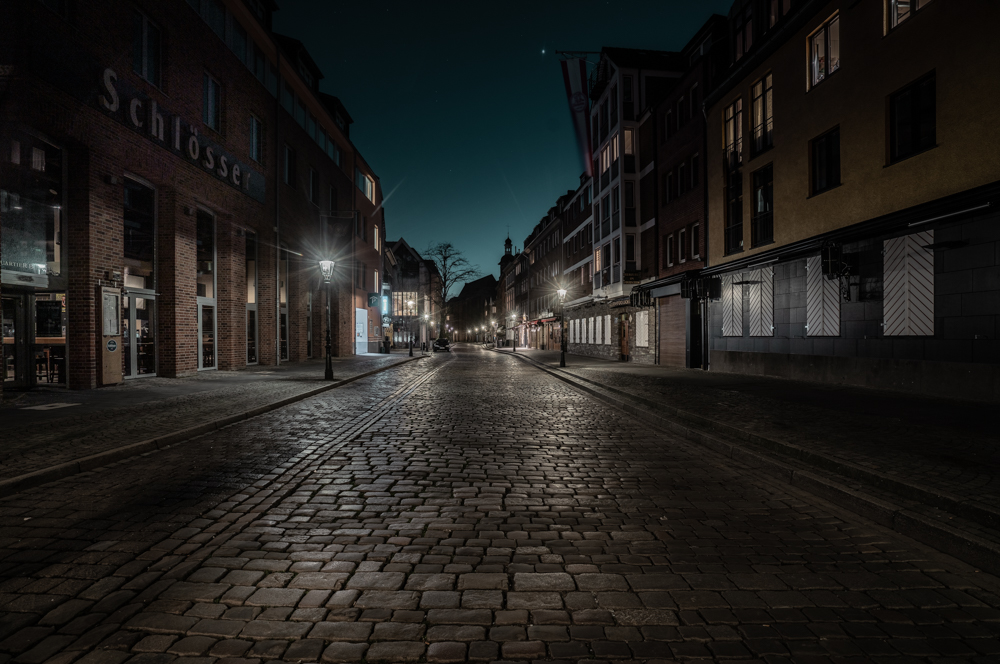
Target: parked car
{"points": [[441, 344]]}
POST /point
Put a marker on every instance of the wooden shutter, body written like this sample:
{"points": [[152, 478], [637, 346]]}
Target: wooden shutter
{"points": [[732, 306], [822, 301], [673, 338], [642, 329], [760, 302], [607, 327], [908, 278]]}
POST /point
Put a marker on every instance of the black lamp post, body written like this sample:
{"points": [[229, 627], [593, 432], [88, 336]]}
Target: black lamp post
{"points": [[513, 317], [409, 310], [562, 327], [326, 267]]}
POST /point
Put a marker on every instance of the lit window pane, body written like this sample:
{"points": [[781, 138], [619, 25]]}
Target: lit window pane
{"points": [[819, 56], [834, 63]]}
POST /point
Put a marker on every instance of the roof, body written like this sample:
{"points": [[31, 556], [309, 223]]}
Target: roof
{"points": [[296, 49], [637, 58], [481, 285]]}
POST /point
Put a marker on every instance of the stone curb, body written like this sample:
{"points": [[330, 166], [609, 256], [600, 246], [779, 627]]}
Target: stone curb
{"points": [[961, 544], [20, 483]]}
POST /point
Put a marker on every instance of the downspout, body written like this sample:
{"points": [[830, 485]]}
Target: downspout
{"points": [[277, 210]]}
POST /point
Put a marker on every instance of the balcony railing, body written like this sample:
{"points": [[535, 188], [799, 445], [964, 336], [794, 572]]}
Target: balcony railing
{"points": [[732, 155], [763, 136]]}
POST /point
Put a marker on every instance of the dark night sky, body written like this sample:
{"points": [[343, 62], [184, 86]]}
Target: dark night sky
{"points": [[457, 109]]}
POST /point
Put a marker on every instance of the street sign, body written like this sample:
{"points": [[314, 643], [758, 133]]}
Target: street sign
{"points": [[112, 345], [386, 320], [373, 299]]}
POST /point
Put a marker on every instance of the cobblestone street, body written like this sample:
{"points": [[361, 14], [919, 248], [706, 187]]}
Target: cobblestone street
{"points": [[467, 507]]}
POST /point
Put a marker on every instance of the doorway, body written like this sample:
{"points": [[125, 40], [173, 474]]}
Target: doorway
{"points": [[34, 340], [360, 331], [138, 334], [624, 329]]}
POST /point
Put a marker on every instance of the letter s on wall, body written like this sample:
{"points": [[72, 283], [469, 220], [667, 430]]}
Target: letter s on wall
{"points": [[110, 102]]}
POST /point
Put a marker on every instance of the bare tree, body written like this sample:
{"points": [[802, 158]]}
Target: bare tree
{"points": [[454, 269]]}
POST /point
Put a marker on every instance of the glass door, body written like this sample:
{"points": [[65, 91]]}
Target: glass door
{"points": [[138, 334], [206, 285], [15, 366]]}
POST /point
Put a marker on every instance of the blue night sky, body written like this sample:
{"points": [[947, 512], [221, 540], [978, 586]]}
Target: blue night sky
{"points": [[457, 109]]}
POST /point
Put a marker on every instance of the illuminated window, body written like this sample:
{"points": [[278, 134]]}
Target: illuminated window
{"points": [[900, 10], [824, 51], [365, 184]]}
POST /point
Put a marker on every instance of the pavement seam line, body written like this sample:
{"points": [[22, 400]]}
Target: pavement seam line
{"points": [[938, 535], [19, 483]]}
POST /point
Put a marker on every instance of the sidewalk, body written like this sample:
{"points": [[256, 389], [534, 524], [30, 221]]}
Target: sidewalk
{"points": [[46, 428], [938, 456]]}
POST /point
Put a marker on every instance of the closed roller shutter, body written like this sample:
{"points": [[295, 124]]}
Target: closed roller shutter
{"points": [[673, 339]]}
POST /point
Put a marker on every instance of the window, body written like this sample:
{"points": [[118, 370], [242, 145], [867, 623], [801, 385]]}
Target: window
{"points": [[211, 110], [630, 247], [900, 10], [300, 112], [826, 161], [628, 141], [824, 51], [605, 158], [734, 212], [313, 186], [146, 49], [238, 41], [251, 272], [695, 241], [289, 171], [695, 178], [139, 237], [668, 250], [256, 140], [733, 133], [912, 119], [365, 184], [778, 9], [762, 220], [743, 30], [763, 120], [670, 123]]}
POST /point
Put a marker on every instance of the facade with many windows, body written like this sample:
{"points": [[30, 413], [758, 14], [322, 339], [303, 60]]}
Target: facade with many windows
{"points": [[170, 176], [851, 194]]}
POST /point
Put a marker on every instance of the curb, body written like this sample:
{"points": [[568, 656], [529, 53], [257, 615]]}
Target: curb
{"points": [[963, 545], [20, 483]]}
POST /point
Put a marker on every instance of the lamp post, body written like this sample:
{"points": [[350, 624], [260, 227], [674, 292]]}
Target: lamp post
{"points": [[426, 318], [409, 309], [326, 268], [513, 348], [562, 327]]}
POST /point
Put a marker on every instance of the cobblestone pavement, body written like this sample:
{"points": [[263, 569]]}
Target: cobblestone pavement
{"points": [[465, 508], [136, 410], [944, 445]]}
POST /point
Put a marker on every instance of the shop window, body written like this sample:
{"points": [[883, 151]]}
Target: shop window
{"points": [[205, 254], [139, 235]]}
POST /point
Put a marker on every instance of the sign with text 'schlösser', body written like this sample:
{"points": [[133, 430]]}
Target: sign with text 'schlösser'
{"points": [[139, 112]]}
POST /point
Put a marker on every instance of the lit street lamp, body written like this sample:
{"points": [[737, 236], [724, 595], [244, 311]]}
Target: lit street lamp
{"points": [[513, 317], [326, 268], [562, 326], [409, 305]]}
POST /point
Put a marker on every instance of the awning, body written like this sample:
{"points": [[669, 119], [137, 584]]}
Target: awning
{"points": [[619, 302]]}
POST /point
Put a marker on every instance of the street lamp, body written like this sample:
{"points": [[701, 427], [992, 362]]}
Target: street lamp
{"points": [[426, 318], [513, 348], [562, 327], [326, 268], [409, 309]]}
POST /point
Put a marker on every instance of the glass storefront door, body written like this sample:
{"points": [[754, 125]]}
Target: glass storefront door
{"points": [[138, 334], [206, 334], [15, 369]]}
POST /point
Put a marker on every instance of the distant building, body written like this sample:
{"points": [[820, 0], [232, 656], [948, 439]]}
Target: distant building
{"points": [[472, 309], [415, 284]]}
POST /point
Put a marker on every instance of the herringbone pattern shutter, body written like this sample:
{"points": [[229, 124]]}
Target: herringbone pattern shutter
{"points": [[908, 275], [760, 302], [822, 301], [732, 306]]}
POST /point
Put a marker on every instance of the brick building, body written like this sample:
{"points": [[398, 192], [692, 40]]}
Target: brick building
{"points": [[170, 176]]}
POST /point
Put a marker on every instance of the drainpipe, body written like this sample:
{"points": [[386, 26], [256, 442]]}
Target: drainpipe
{"points": [[277, 211]]}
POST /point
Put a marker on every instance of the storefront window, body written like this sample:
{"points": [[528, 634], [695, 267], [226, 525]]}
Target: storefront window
{"points": [[31, 212], [139, 236]]}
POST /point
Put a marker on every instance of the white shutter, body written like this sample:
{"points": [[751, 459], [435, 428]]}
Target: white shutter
{"points": [[576, 331], [908, 283], [590, 330], [732, 306], [607, 326], [642, 329], [598, 331], [760, 301], [822, 301]]}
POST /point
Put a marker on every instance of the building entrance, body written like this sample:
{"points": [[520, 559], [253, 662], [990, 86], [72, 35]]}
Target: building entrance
{"points": [[138, 334], [34, 340]]}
